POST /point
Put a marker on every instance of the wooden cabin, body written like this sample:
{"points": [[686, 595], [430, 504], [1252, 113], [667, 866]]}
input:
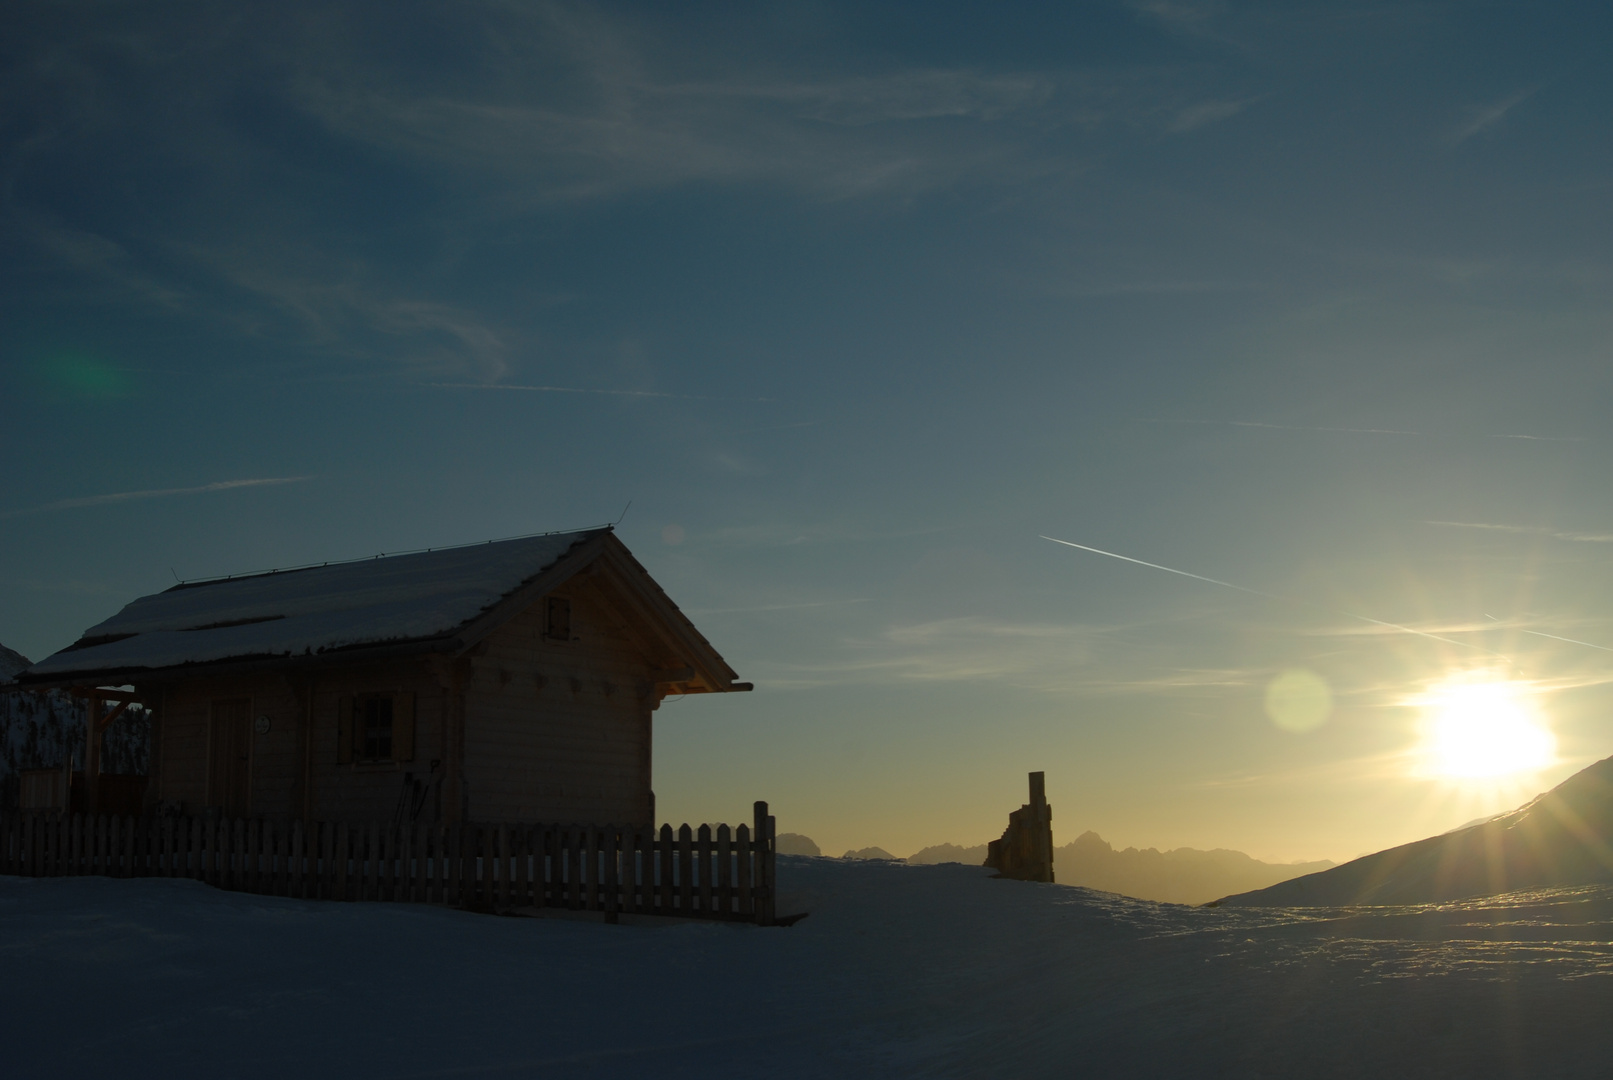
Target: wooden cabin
{"points": [[508, 681]]}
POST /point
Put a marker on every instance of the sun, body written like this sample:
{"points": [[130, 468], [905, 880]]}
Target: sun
{"points": [[1476, 726]]}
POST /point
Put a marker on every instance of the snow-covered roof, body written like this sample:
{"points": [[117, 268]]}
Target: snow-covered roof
{"points": [[385, 600]]}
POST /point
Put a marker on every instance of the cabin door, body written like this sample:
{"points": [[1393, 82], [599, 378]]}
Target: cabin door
{"points": [[230, 772]]}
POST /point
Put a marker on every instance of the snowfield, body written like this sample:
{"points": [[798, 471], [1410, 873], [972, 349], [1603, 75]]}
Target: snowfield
{"points": [[898, 971]]}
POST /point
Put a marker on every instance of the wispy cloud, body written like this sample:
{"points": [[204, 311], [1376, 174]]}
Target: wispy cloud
{"points": [[626, 128], [1448, 626], [1350, 430], [831, 532], [101, 259], [631, 118], [1527, 530], [1057, 658], [1203, 114], [1371, 768], [974, 648], [154, 493], [588, 390], [776, 607], [1281, 427], [1180, 287], [336, 303], [1193, 18], [1484, 117]]}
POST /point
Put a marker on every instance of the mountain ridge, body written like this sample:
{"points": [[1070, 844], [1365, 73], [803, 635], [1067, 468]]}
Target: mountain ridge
{"points": [[1559, 838]]}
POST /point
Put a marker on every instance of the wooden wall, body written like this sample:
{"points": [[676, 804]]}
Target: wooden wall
{"points": [[560, 731], [553, 731], [291, 777]]}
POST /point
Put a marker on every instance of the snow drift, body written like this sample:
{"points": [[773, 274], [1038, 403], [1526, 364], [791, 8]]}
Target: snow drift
{"points": [[934, 971]]}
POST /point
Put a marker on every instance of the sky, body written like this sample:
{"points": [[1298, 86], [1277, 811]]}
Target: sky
{"points": [[849, 306]]}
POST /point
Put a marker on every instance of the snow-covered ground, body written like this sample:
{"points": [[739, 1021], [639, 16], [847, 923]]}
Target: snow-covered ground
{"points": [[899, 971]]}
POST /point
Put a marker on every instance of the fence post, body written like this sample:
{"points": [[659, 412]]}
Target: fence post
{"points": [[725, 873], [703, 868], [685, 870], [437, 884], [549, 872], [209, 851], [487, 850], [521, 872], [764, 866], [464, 863], [643, 868], [505, 871], [341, 866], [664, 864], [746, 898], [609, 879], [294, 868]]}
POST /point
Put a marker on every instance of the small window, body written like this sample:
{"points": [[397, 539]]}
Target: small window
{"points": [[557, 623], [375, 727]]}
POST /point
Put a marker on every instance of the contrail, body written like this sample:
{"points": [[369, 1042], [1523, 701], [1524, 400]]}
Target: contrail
{"points": [[1554, 637], [1156, 566], [1270, 596]]}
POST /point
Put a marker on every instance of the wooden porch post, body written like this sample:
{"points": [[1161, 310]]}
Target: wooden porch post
{"points": [[452, 676], [303, 797], [92, 753]]}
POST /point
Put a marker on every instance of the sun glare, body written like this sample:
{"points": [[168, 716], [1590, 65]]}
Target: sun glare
{"points": [[1479, 727]]}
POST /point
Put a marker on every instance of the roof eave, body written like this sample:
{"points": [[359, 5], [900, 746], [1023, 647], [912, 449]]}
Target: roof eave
{"points": [[341, 657]]}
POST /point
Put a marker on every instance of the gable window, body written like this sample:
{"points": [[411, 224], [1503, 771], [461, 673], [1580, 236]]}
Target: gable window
{"points": [[375, 728], [557, 619]]}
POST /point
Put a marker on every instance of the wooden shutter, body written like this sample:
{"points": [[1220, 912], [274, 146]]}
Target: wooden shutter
{"points": [[403, 726], [344, 729]]}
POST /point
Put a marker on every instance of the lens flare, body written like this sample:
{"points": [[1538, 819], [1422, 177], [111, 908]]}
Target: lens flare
{"points": [[83, 376], [1475, 727], [1298, 700]]}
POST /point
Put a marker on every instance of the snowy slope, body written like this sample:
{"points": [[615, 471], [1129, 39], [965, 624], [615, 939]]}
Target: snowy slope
{"points": [[899, 971], [1561, 838]]}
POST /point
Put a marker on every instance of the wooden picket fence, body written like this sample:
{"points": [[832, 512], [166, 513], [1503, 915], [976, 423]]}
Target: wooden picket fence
{"points": [[697, 874]]}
